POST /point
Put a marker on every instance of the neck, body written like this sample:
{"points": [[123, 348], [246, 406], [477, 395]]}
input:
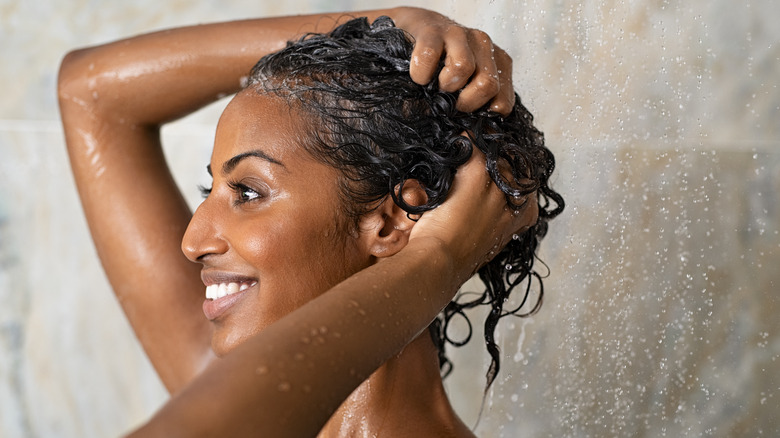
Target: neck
{"points": [[402, 398]]}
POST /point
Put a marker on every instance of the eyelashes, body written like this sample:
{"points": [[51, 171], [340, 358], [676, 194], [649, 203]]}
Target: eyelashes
{"points": [[204, 191], [242, 193]]}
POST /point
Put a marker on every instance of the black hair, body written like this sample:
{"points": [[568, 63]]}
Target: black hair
{"points": [[380, 129]]}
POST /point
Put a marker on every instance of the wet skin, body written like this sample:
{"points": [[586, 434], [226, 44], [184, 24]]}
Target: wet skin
{"points": [[272, 221], [282, 246]]}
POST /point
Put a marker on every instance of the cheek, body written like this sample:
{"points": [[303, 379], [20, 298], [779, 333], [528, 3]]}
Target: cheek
{"points": [[296, 262], [303, 255], [279, 244]]}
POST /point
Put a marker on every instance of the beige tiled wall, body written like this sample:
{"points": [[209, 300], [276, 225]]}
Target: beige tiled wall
{"points": [[660, 311]]}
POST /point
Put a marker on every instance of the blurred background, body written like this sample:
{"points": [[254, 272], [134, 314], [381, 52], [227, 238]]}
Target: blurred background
{"points": [[660, 313]]}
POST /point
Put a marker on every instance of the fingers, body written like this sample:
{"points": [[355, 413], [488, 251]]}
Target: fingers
{"points": [[525, 217], [428, 50], [483, 83], [504, 100], [471, 176], [460, 60], [491, 220], [506, 221], [476, 209], [472, 64], [475, 222]]}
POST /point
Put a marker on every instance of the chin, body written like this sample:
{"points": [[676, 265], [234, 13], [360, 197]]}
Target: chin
{"points": [[219, 349], [224, 341]]}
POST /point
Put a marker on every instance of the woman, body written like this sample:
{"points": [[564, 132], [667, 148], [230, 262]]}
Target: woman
{"points": [[319, 274]]}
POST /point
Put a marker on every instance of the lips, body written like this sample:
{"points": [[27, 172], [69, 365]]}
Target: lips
{"points": [[221, 295]]}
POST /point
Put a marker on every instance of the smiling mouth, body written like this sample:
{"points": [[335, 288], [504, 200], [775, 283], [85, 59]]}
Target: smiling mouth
{"points": [[216, 291]]}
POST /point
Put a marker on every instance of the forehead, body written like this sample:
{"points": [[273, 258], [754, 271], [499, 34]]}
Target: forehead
{"points": [[254, 121]]}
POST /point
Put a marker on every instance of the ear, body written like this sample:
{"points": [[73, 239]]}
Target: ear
{"points": [[386, 229]]}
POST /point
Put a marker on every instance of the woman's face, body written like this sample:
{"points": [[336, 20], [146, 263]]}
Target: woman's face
{"points": [[270, 233]]}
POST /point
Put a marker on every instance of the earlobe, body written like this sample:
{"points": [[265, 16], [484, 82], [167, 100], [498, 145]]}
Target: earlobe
{"points": [[388, 226]]}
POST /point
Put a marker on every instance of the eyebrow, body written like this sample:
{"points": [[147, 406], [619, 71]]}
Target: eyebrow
{"points": [[233, 162]]}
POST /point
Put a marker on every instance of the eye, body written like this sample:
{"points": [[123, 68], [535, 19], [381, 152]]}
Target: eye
{"points": [[244, 193]]}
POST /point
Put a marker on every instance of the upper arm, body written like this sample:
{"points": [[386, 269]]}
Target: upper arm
{"points": [[136, 215]]}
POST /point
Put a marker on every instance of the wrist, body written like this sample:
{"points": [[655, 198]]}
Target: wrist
{"points": [[403, 16], [437, 256]]}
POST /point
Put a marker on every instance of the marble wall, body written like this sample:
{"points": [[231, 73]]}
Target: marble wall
{"points": [[660, 310]]}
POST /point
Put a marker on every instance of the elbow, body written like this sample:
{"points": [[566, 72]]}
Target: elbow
{"points": [[76, 80], [69, 79], [76, 97]]}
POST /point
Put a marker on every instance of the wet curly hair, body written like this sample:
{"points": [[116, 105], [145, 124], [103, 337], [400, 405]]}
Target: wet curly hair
{"points": [[381, 129]]}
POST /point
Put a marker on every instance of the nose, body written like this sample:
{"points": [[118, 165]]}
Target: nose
{"points": [[203, 236]]}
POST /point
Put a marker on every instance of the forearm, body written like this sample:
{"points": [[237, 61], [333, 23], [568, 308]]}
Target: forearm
{"points": [[183, 69], [289, 379]]}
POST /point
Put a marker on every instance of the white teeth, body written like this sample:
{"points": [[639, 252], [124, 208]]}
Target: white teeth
{"points": [[216, 291], [211, 292]]}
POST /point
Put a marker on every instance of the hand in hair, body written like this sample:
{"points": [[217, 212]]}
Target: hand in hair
{"points": [[472, 63], [475, 222]]}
